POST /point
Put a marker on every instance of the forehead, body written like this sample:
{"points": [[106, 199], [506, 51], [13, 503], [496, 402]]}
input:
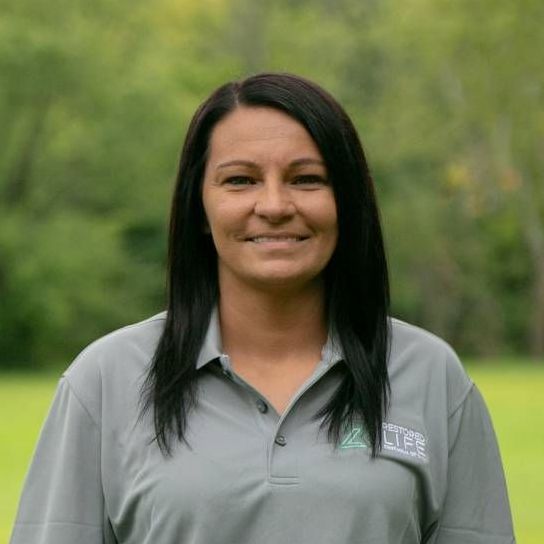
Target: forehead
{"points": [[259, 129]]}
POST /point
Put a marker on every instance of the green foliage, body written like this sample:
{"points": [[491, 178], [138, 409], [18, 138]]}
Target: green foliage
{"points": [[95, 98], [68, 281]]}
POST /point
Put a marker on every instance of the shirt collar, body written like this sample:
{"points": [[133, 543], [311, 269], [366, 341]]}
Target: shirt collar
{"points": [[212, 347], [332, 352]]}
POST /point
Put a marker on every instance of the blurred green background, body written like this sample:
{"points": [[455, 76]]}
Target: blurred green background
{"points": [[95, 98]]}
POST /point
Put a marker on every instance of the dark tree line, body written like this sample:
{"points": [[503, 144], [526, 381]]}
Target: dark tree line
{"points": [[94, 102]]}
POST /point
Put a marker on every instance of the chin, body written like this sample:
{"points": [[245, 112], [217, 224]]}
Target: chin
{"points": [[279, 276], [281, 279]]}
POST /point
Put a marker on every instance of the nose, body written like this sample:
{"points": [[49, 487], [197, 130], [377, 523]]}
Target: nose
{"points": [[274, 202]]}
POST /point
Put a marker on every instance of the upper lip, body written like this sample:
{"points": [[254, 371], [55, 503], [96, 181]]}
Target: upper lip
{"points": [[276, 234]]}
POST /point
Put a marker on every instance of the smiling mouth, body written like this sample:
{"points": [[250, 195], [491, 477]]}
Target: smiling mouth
{"points": [[271, 239]]}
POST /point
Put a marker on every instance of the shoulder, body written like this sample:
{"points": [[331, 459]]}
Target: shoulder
{"points": [[114, 362], [410, 337], [423, 358], [136, 342]]}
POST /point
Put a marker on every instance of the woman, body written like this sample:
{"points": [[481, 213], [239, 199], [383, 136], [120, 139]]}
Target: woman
{"points": [[274, 401]]}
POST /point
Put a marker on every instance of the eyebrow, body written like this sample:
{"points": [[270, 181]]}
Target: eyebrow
{"points": [[297, 162]]}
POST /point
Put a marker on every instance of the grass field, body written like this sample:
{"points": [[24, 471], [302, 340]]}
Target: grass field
{"points": [[513, 391], [514, 395]]}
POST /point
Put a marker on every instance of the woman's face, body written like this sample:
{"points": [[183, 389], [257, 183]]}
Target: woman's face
{"points": [[269, 206]]}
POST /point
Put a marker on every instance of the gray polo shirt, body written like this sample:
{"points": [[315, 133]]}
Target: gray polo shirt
{"points": [[251, 476]]}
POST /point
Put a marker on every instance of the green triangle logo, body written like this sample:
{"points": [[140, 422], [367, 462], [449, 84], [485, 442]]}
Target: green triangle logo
{"points": [[353, 439]]}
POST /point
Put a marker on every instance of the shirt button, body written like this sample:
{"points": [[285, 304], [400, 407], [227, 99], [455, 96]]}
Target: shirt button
{"points": [[262, 406], [280, 440]]}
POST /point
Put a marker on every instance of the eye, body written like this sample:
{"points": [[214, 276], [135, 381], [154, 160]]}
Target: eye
{"points": [[309, 179], [239, 181]]}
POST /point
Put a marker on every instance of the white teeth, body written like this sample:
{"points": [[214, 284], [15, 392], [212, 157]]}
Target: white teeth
{"points": [[259, 239]]}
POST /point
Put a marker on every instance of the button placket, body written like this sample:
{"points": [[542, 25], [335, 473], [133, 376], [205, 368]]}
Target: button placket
{"points": [[282, 462], [285, 446]]}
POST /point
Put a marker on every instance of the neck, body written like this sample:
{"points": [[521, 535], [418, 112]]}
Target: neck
{"points": [[274, 325]]}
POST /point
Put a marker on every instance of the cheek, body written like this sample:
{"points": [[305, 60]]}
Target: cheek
{"points": [[330, 227], [225, 220], [329, 218], [214, 210]]}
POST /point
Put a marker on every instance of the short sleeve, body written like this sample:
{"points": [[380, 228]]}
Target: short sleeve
{"points": [[62, 500], [476, 508]]}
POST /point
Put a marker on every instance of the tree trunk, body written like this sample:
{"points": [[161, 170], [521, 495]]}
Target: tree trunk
{"points": [[18, 182], [248, 33], [537, 332], [532, 224], [533, 228]]}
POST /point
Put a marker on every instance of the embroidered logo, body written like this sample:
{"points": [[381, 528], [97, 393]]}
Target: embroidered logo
{"points": [[404, 441], [395, 438], [353, 439]]}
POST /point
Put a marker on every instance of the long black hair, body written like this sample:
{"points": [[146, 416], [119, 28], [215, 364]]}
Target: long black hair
{"points": [[356, 278]]}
